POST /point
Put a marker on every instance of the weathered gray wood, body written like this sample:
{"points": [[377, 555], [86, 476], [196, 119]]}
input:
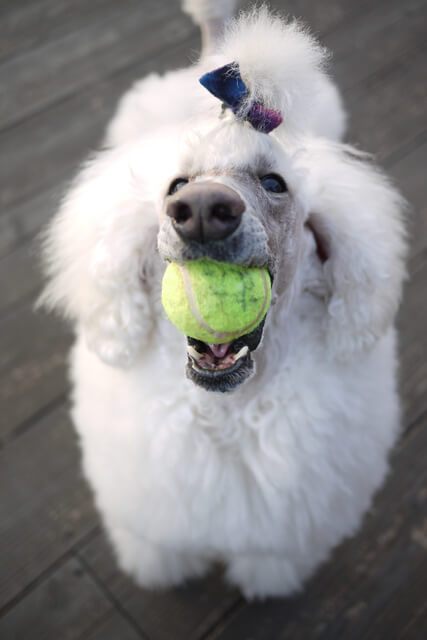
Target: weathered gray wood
{"points": [[388, 109], [94, 111], [19, 277], [28, 24], [408, 174], [57, 59], [114, 627], [412, 322], [45, 506], [59, 68], [66, 605], [23, 222], [33, 352], [374, 585], [412, 318], [375, 38], [317, 16], [187, 612], [56, 140]]}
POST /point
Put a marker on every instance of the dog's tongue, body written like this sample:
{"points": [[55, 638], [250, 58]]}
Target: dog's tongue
{"points": [[219, 350]]}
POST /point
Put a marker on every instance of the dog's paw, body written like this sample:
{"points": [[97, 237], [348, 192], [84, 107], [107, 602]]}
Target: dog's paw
{"points": [[119, 318], [117, 331], [118, 326], [153, 566]]}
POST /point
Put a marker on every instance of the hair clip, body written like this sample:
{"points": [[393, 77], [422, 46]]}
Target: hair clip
{"points": [[227, 85]]}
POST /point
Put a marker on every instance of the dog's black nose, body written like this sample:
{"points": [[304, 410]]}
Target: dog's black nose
{"points": [[205, 211]]}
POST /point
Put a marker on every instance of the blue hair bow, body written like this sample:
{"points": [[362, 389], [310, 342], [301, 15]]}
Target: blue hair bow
{"points": [[226, 84]]}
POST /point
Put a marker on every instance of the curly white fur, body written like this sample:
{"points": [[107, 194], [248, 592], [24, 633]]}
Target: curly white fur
{"points": [[289, 74], [267, 479]]}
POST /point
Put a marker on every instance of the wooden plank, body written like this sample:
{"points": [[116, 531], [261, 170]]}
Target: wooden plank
{"points": [[387, 33], [17, 341], [319, 19], [23, 222], [412, 322], [388, 110], [30, 23], [114, 627], [49, 148], [412, 318], [33, 352], [57, 139], [53, 160], [186, 612], [60, 68], [19, 276], [374, 585], [409, 177], [67, 605], [55, 67], [45, 506]]}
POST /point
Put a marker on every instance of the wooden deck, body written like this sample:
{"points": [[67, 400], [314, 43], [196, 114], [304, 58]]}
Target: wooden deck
{"points": [[63, 65]]}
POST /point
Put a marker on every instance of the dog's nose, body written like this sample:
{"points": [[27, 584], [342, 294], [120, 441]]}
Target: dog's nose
{"points": [[205, 211]]}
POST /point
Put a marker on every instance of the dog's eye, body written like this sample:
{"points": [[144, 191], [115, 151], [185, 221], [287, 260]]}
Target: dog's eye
{"points": [[273, 182], [176, 185]]}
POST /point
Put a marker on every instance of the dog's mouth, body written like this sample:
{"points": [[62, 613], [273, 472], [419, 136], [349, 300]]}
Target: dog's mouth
{"points": [[222, 367]]}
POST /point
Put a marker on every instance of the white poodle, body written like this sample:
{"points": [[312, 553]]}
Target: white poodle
{"points": [[265, 457]]}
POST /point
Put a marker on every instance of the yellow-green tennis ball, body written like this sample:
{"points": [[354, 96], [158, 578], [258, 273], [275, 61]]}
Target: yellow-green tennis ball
{"points": [[215, 302]]}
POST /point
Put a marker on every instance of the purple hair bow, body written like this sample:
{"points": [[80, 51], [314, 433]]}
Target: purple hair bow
{"points": [[226, 84]]}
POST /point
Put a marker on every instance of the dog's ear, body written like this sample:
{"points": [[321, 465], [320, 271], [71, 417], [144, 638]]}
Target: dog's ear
{"points": [[356, 217], [99, 256]]}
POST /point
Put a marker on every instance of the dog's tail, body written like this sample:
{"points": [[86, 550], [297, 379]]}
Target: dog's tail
{"points": [[211, 16]]}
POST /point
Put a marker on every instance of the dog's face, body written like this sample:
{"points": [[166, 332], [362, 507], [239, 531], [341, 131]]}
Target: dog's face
{"points": [[327, 226], [232, 202]]}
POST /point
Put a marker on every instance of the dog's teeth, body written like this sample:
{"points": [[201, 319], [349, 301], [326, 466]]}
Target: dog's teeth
{"points": [[193, 353], [243, 351]]}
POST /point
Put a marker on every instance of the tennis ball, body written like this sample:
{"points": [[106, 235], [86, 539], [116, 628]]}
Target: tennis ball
{"points": [[215, 302]]}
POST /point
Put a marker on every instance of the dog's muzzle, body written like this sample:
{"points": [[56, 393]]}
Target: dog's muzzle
{"points": [[210, 220]]}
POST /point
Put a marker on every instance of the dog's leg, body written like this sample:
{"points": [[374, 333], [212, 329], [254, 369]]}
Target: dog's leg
{"points": [[265, 575], [153, 566], [210, 15]]}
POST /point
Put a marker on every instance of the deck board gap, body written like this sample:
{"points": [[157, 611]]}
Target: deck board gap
{"points": [[89, 86], [228, 615], [32, 421], [48, 571], [110, 596]]}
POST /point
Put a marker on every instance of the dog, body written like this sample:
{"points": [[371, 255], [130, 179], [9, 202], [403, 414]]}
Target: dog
{"points": [[267, 464]]}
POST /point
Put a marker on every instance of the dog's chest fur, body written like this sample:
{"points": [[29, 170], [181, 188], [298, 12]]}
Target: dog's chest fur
{"points": [[245, 471]]}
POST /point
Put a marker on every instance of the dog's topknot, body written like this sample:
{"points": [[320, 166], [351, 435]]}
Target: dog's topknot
{"points": [[281, 64]]}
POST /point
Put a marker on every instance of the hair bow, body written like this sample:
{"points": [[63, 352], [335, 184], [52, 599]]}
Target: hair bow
{"points": [[226, 84]]}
